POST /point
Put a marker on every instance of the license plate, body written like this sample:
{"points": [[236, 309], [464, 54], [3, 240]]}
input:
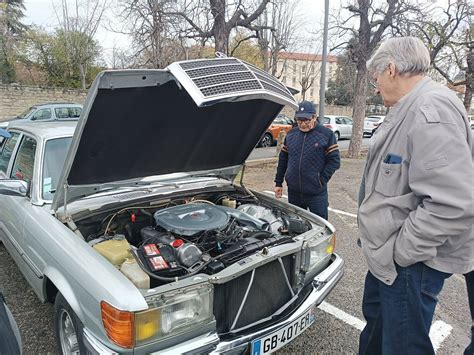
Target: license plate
{"points": [[284, 335]]}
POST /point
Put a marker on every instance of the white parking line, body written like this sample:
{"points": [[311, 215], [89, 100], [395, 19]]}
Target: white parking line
{"points": [[345, 317], [438, 332]]}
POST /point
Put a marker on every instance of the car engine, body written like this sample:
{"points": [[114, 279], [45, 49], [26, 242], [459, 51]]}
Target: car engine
{"points": [[157, 245]]}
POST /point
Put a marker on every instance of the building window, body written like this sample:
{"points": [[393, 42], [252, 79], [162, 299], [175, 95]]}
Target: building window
{"points": [[294, 80], [303, 70]]}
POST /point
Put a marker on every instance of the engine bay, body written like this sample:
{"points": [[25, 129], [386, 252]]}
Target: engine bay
{"points": [[159, 242]]}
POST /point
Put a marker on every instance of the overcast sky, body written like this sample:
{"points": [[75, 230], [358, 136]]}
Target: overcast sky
{"points": [[41, 12]]}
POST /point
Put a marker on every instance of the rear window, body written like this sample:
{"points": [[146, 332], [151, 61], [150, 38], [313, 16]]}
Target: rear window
{"points": [[67, 112], [373, 119], [326, 120], [54, 157]]}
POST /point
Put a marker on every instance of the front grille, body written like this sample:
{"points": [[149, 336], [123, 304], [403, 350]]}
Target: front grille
{"points": [[269, 293], [224, 78], [247, 85], [206, 63], [194, 73]]}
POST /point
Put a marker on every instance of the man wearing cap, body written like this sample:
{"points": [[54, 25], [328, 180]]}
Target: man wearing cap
{"points": [[308, 158]]}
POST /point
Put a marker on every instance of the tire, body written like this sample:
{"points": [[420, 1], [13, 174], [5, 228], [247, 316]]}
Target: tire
{"points": [[68, 328], [338, 135], [266, 141]]}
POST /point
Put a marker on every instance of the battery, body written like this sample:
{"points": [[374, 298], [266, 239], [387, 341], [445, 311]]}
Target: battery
{"points": [[160, 259]]}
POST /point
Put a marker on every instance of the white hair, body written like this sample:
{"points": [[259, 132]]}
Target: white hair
{"points": [[408, 54]]}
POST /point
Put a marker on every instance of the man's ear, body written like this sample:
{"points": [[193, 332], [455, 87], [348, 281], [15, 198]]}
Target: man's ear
{"points": [[391, 70]]}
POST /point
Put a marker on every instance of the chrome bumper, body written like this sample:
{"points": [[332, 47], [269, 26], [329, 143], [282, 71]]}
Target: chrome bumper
{"points": [[323, 283]]}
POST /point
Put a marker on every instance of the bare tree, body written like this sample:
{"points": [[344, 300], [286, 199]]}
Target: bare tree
{"points": [[448, 33], [155, 40], [373, 22], [80, 21], [206, 20], [280, 25]]}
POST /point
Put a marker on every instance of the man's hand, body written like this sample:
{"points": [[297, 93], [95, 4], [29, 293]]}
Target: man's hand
{"points": [[278, 191]]}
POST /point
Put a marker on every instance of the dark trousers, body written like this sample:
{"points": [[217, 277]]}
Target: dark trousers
{"points": [[317, 204], [470, 294], [399, 316]]}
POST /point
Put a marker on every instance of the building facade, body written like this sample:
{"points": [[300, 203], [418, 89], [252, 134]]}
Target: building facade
{"points": [[302, 71]]}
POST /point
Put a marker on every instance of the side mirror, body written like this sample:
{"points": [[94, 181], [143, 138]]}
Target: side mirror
{"points": [[12, 187]]}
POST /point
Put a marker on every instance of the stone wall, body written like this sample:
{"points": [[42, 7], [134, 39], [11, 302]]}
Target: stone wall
{"points": [[14, 99], [328, 110]]}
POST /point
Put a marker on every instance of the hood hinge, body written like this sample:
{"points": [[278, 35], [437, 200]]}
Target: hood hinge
{"points": [[66, 217]]}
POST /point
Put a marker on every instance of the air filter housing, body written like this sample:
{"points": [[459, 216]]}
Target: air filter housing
{"points": [[191, 219]]}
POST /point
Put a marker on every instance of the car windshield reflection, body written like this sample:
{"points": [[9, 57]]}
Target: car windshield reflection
{"points": [[54, 157]]}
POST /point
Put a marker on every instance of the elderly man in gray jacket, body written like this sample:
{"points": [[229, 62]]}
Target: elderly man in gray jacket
{"points": [[416, 207]]}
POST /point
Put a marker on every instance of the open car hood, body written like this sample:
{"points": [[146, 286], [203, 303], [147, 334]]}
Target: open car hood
{"points": [[199, 115]]}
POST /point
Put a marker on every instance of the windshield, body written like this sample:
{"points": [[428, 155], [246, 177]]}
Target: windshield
{"points": [[326, 120], [373, 119], [27, 113], [54, 156]]}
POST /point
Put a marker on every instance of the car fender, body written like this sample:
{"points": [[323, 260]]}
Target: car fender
{"points": [[62, 285]]}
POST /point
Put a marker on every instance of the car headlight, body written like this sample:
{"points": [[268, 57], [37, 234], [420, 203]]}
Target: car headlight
{"points": [[169, 313], [317, 252], [175, 312]]}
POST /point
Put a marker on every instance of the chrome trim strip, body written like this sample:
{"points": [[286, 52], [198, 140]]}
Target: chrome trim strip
{"points": [[243, 300], [286, 276], [21, 252]]}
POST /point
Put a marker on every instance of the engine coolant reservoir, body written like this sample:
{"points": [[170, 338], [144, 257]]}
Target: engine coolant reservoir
{"points": [[135, 274], [114, 250]]}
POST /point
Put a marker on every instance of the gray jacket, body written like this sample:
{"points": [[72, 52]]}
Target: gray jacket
{"points": [[422, 209]]}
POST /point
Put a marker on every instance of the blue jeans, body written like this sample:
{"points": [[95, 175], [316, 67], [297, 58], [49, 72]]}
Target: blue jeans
{"points": [[470, 294], [317, 204], [399, 316]]}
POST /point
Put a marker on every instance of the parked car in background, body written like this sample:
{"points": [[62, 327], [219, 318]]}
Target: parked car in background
{"points": [[48, 112], [140, 237], [280, 123], [371, 123], [340, 125]]}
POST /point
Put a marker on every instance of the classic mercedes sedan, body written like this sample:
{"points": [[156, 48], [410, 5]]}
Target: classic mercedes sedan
{"points": [[132, 223]]}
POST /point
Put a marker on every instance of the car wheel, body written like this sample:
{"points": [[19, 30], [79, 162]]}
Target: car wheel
{"points": [[68, 328], [337, 134], [266, 140]]}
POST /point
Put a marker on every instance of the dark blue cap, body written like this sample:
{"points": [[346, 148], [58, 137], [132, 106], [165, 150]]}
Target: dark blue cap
{"points": [[305, 110]]}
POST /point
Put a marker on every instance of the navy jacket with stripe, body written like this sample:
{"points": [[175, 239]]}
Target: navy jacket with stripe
{"points": [[308, 159]]}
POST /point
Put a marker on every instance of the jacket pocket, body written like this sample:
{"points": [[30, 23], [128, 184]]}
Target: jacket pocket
{"points": [[388, 179]]}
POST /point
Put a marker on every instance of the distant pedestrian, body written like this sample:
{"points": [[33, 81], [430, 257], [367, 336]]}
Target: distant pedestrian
{"points": [[470, 293], [416, 207], [307, 160]]}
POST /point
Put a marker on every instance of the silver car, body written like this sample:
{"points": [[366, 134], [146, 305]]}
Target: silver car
{"points": [[340, 125], [131, 223]]}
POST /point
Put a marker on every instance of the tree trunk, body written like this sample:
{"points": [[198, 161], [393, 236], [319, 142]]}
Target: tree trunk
{"points": [[219, 29], [360, 98], [358, 114], [82, 73]]}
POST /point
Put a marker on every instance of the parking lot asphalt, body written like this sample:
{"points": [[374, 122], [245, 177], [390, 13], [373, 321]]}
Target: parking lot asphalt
{"points": [[337, 327]]}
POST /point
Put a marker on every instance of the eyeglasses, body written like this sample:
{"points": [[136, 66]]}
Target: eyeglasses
{"points": [[304, 121]]}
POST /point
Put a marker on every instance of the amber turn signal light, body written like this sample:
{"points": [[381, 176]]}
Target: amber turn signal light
{"points": [[119, 325]]}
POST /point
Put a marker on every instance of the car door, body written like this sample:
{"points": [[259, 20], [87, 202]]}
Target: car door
{"points": [[15, 209], [348, 124], [341, 127]]}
